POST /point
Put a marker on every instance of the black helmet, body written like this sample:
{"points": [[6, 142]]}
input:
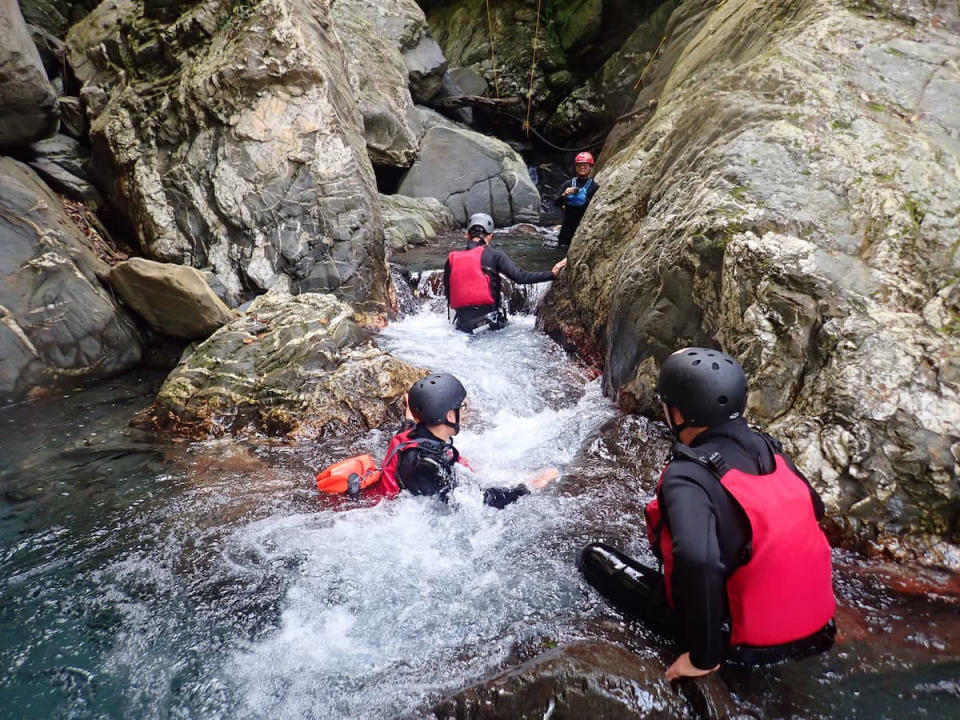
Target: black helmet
{"points": [[707, 386], [431, 398]]}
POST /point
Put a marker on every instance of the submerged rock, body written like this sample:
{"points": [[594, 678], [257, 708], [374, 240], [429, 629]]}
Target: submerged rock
{"points": [[470, 173], [413, 221], [57, 323], [794, 200], [174, 300], [230, 136], [28, 102], [291, 365], [593, 680]]}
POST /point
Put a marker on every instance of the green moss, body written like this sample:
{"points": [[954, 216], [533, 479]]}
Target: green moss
{"points": [[841, 125], [739, 192], [877, 107]]}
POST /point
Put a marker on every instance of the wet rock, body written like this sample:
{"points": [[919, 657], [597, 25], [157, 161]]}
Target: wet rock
{"points": [[28, 103], [584, 680], [413, 221], [468, 80], [378, 75], [51, 49], [62, 162], [793, 201], [426, 65], [55, 16], [294, 365], [57, 323], [470, 173], [73, 118], [175, 300], [230, 137]]}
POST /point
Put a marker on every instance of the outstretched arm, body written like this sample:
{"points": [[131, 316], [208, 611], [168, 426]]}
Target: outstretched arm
{"points": [[505, 266]]}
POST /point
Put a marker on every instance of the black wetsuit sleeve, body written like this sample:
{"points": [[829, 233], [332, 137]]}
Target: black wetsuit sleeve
{"points": [[499, 262], [561, 199], [501, 497], [446, 280], [698, 578]]}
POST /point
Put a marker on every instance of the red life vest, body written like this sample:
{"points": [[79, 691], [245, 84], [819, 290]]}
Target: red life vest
{"points": [[389, 484], [784, 592], [469, 285]]}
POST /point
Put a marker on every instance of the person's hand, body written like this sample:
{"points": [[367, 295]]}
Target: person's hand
{"points": [[407, 414], [568, 191], [559, 266], [683, 668], [543, 478]]}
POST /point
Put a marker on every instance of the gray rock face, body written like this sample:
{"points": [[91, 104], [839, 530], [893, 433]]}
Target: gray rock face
{"points": [[296, 365], [231, 138], [588, 680], [174, 300], [378, 75], [57, 323], [413, 221], [794, 200], [62, 162], [28, 103], [470, 173]]}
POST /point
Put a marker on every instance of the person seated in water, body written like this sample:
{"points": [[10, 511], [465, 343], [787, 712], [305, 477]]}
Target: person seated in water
{"points": [[575, 197], [746, 568], [421, 458], [471, 278]]}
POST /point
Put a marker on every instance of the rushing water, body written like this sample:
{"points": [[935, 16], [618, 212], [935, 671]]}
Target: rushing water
{"points": [[145, 578]]}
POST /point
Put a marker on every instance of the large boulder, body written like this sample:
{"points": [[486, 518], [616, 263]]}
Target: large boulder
{"points": [[174, 300], [28, 102], [296, 365], [57, 323], [413, 221], [378, 75], [230, 136], [469, 172], [794, 200]]}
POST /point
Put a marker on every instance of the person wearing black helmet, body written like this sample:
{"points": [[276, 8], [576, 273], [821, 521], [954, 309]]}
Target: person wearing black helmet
{"points": [[422, 459], [471, 278], [746, 572]]}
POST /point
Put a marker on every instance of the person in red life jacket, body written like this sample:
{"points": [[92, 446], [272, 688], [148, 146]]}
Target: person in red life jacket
{"points": [[421, 458], [746, 570], [575, 196], [471, 278]]}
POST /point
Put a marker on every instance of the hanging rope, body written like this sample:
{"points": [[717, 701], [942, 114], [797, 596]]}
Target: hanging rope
{"points": [[533, 67], [493, 56]]}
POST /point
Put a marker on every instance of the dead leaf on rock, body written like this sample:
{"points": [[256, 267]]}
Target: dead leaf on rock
{"points": [[864, 96], [248, 341]]}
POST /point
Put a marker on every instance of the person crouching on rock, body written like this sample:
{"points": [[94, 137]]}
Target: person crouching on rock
{"points": [[421, 458], [471, 278], [746, 568], [575, 197]]}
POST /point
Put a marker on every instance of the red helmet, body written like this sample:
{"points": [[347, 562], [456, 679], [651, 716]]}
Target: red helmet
{"points": [[583, 157]]}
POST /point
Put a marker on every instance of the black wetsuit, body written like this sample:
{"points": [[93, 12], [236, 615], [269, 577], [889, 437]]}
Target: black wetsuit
{"points": [[711, 538], [428, 470], [573, 214], [494, 262]]}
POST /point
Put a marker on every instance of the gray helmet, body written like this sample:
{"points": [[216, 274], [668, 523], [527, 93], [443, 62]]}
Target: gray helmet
{"points": [[432, 397], [481, 220], [707, 386]]}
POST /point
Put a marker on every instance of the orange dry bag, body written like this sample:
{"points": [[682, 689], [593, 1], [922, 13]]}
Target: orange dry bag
{"points": [[349, 476]]}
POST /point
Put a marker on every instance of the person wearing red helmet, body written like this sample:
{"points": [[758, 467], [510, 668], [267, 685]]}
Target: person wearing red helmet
{"points": [[575, 197]]}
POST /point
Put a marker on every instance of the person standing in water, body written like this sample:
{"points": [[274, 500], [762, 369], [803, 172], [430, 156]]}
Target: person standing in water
{"points": [[746, 569], [471, 278], [575, 196], [421, 458]]}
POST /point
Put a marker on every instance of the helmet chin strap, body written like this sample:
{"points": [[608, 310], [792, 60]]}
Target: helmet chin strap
{"points": [[675, 429], [455, 425]]}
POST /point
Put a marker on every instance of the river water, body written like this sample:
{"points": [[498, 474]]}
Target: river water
{"points": [[149, 578]]}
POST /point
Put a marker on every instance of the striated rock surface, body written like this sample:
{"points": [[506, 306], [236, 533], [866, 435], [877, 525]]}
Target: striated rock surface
{"points": [[57, 323], [296, 365], [469, 173], [230, 136], [175, 300], [794, 200], [28, 103], [413, 221], [372, 36]]}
